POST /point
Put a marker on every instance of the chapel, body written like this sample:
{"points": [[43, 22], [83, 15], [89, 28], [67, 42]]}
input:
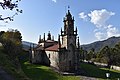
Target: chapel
{"points": [[62, 54]]}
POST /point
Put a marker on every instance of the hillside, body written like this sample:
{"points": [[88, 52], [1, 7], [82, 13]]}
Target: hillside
{"points": [[26, 45], [8, 68], [96, 45], [111, 42]]}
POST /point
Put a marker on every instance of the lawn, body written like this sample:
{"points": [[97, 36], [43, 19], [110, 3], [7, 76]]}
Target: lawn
{"points": [[40, 72], [94, 71]]}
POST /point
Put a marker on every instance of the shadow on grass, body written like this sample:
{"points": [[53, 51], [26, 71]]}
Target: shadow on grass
{"points": [[37, 72], [94, 71]]}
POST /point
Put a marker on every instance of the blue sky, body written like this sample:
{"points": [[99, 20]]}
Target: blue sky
{"points": [[95, 19]]}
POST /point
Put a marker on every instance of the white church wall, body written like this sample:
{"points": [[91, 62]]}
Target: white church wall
{"points": [[53, 57]]}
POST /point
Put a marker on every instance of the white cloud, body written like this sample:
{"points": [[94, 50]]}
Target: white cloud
{"points": [[99, 17], [100, 35], [107, 32], [54, 1], [112, 31], [83, 16]]}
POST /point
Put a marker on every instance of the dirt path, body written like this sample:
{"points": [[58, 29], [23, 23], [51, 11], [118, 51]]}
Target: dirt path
{"points": [[4, 75], [87, 78]]}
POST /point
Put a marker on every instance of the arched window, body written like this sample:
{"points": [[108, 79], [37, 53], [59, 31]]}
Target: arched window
{"points": [[49, 55]]}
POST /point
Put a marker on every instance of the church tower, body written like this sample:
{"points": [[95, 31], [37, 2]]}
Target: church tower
{"points": [[68, 42], [68, 35]]}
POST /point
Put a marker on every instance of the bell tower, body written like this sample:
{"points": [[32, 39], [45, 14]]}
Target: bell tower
{"points": [[68, 36], [68, 24]]}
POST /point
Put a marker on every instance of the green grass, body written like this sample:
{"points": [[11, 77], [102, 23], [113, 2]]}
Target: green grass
{"points": [[94, 71], [37, 72], [40, 72], [7, 64], [114, 73]]}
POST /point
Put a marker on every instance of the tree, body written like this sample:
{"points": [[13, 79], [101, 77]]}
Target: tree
{"points": [[117, 56], [108, 55], [11, 41], [9, 4], [91, 54], [2, 32], [83, 54]]}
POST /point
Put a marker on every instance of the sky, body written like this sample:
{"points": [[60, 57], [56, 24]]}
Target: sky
{"points": [[96, 20]]}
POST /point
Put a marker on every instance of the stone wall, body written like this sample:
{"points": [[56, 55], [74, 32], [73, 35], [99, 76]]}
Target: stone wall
{"points": [[40, 57], [115, 67], [53, 57]]}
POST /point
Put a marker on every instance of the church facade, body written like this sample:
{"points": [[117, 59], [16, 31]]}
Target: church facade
{"points": [[62, 54]]}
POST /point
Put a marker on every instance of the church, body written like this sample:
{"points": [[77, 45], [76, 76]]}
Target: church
{"points": [[62, 54]]}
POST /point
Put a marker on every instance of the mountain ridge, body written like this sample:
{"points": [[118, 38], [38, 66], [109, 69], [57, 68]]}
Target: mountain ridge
{"points": [[97, 45], [111, 42], [26, 45]]}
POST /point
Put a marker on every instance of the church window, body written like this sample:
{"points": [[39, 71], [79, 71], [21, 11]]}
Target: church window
{"points": [[70, 63], [49, 55]]}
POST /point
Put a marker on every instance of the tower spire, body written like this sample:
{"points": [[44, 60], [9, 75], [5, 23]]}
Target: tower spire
{"points": [[68, 23], [39, 39], [61, 31], [59, 41], [49, 36], [78, 43], [76, 31], [68, 9], [44, 37]]}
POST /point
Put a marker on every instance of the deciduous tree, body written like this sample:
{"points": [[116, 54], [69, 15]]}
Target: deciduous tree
{"points": [[10, 5], [11, 41]]}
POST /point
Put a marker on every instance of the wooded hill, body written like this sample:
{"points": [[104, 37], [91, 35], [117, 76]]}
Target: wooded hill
{"points": [[111, 42]]}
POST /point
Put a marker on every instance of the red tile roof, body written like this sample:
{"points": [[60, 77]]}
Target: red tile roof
{"points": [[53, 48]]}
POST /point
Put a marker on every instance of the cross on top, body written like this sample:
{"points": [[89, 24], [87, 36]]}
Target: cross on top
{"points": [[68, 7]]}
